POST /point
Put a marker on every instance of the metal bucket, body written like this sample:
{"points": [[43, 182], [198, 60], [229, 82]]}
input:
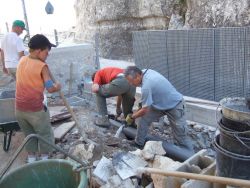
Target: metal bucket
{"points": [[233, 141], [235, 109], [229, 164], [234, 125]]}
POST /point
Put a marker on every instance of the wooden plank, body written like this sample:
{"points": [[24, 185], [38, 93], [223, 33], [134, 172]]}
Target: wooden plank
{"points": [[60, 131], [57, 110], [60, 117], [58, 113]]}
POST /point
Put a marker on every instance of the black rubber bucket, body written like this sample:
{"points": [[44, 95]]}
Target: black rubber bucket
{"points": [[235, 125], [236, 142], [229, 164]]}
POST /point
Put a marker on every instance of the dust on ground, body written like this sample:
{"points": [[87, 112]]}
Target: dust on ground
{"points": [[85, 111], [200, 135]]}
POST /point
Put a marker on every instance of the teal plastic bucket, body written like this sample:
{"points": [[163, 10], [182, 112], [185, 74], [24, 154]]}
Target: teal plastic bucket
{"points": [[46, 174]]}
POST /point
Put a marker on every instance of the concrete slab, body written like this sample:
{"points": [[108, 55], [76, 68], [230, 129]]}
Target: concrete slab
{"points": [[104, 169], [62, 129], [210, 170], [126, 163], [201, 161]]}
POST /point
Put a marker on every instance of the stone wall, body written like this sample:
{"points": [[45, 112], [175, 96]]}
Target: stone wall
{"points": [[217, 13], [72, 66], [115, 20]]}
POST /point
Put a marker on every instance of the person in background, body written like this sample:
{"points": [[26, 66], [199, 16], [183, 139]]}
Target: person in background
{"points": [[110, 82], [159, 98], [32, 77], [12, 48]]}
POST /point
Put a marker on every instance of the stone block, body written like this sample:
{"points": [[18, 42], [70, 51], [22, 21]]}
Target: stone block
{"points": [[84, 152], [104, 170], [151, 149], [164, 163], [199, 163]]}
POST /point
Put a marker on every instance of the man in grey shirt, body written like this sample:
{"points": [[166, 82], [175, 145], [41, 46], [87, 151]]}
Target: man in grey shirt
{"points": [[159, 98]]}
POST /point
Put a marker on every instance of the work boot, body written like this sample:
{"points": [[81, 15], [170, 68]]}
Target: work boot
{"points": [[102, 121]]}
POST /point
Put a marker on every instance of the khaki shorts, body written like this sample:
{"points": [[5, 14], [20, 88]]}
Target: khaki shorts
{"points": [[36, 123]]}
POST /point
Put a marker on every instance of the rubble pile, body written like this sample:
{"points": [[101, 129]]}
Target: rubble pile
{"points": [[106, 161]]}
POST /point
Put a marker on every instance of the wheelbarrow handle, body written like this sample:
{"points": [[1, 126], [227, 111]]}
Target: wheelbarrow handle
{"points": [[32, 136]]}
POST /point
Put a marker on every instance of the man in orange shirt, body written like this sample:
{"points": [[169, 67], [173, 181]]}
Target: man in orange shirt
{"points": [[32, 78], [110, 82]]}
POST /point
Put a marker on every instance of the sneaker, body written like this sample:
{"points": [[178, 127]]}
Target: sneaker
{"points": [[44, 157], [102, 121], [31, 158]]}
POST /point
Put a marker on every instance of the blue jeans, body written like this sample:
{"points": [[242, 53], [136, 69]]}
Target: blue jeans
{"points": [[177, 119]]}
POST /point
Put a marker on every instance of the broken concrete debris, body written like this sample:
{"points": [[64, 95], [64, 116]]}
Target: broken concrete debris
{"points": [[106, 175], [116, 181], [152, 155], [151, 149], [58, 113], [84, 151], [62, 129], [126, 163], [122, 168], [104, 169]]}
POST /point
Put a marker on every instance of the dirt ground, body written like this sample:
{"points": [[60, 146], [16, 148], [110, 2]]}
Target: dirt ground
{"points": [[200, 135], [17, 139], [85, 112]]}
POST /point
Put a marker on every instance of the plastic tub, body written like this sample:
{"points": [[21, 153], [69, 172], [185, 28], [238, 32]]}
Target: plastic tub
{"points": [[48, 173]]}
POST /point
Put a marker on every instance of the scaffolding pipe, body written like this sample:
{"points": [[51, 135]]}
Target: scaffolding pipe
{"points": [[26, 20]]}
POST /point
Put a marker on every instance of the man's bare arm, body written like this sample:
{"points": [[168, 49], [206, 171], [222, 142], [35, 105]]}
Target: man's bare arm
{"points": [[3, 62]]}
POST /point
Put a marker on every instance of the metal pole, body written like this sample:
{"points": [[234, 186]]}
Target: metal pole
{"points": [[26, 20], [7, 26], [97, 61], [56, 37]]}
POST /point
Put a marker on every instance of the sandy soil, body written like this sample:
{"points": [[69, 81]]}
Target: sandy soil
{"points": [[5, 157]]}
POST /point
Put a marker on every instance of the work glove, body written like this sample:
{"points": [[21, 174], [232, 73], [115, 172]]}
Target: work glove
{"points": [[129, 119]]}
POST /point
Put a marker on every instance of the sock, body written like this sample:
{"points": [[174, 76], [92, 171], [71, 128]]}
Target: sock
{"points": [[31, 158], [44, 157]]}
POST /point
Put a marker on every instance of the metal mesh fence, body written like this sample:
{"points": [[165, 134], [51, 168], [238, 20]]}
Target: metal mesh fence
{"points": [[205, 63]]}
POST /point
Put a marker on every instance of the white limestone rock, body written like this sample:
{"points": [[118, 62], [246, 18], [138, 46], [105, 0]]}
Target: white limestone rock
{"points": [[151, 149]]}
